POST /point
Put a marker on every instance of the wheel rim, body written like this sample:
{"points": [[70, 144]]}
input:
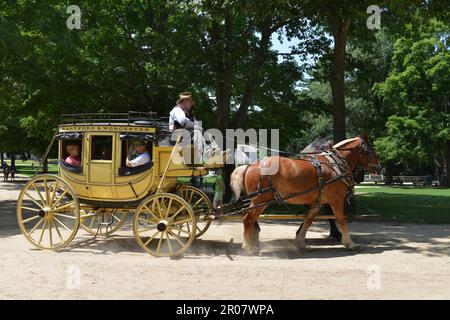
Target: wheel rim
{"points": [[164, 225], [48, 212], [93, 219], [201, 205]]}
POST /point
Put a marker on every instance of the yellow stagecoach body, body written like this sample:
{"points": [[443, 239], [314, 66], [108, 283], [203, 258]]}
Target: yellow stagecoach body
{"points": [[100, 179], [98, 190]]}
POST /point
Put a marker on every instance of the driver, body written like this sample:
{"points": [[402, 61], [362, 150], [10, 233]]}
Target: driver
{"points": [[139, 156]]}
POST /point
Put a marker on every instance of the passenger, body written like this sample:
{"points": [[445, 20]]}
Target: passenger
{"points": [[74, 155], [140, 156]]}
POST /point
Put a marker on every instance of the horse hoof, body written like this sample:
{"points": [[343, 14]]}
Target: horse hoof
{"points": [[301, 245], [250, 251], [354, 247]]}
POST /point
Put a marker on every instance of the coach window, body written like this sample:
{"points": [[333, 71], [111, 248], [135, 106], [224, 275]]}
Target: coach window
{"points": [[101, 148]]}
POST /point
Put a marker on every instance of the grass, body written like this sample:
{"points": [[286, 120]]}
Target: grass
{"points": [[405, 204], [393, 204], [209, 181], [29, 167]]}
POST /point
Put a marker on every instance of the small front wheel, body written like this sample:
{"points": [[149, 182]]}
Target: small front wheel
{"points": [[164, 225]]}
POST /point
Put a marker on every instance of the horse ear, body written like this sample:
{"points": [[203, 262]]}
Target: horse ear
{"points": [[366, 139]]}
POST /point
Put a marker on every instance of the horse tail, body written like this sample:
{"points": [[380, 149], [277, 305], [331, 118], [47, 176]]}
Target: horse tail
{"points": [[237, 181]]}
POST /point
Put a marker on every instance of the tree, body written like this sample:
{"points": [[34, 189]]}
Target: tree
{"points": [[417, 92]]}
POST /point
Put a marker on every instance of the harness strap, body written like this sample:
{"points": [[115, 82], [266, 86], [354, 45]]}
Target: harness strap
{"points": [[320, 186]]}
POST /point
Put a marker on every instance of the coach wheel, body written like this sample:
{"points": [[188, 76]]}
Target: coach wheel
{"points": [[48, 212], [164, 225], [103, 221], [201, 205]]}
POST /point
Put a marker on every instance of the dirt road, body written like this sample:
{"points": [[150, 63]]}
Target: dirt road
{"points": [[401, 261]]}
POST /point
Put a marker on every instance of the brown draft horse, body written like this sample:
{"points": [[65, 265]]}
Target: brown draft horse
{"points": [[295, 176]]}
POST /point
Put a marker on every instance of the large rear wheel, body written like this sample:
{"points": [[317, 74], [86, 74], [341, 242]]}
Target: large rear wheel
{"points": [[164, 225], [201, 205], [48, 212], [103, 222]]}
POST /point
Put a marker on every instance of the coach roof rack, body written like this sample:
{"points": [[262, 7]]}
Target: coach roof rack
{"points": [[150, 119]]}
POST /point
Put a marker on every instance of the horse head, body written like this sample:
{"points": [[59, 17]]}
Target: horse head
{"points": [[368, 157]]}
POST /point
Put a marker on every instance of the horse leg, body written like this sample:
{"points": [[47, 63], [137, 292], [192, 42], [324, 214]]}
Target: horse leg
{"points": [[338, 210], [300, 238], [251, 230], [335, 234]]}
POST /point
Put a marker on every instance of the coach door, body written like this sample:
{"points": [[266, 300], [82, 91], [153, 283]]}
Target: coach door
{"points": [[100, 160]]}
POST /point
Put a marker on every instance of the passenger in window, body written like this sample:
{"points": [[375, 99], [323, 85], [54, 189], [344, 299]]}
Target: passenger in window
{"points": [[139, 156], [74, 155]]}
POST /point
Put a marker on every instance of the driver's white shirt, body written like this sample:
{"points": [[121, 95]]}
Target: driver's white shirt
{"points": [[140, 160], [177, 114]]}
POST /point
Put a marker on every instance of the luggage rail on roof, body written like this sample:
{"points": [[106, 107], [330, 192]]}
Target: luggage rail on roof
{"points": [[128, 118]]}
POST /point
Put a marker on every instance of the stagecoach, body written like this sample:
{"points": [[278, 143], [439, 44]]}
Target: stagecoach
{"points": [[101, 191], [99, 194]]}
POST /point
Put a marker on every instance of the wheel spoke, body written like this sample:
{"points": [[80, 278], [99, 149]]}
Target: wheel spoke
{"points": [[160, 212], [64, 206], [65, 216], [34, 200], [168, 208], [31, 209], [47, 196], [37, 225], [176, 238], [59, 199], [159, 243], [190, 197], [42, 232], [197, 203], [92, 222], [183, 231], [181, 221], [65, 227], [168, 242], [31, 219], [146, 229], [151, 238], [39, 194], [157, 218], [146, 220], [54, 192], [57, 231], [178, 211], [50, 232]]}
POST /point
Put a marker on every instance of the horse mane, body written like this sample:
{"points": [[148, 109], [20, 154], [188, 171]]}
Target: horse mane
{"points": [[344, 142]]}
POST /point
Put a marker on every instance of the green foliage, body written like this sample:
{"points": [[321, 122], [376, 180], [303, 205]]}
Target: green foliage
{"points": [[417, 94]]}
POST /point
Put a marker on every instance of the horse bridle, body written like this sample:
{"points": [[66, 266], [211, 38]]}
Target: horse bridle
{"points": [[366, 147]]}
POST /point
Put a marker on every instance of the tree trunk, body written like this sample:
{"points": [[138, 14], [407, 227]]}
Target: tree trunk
{"points": [[337, 84], [446, 167], [2, 159], [13, 160]]}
